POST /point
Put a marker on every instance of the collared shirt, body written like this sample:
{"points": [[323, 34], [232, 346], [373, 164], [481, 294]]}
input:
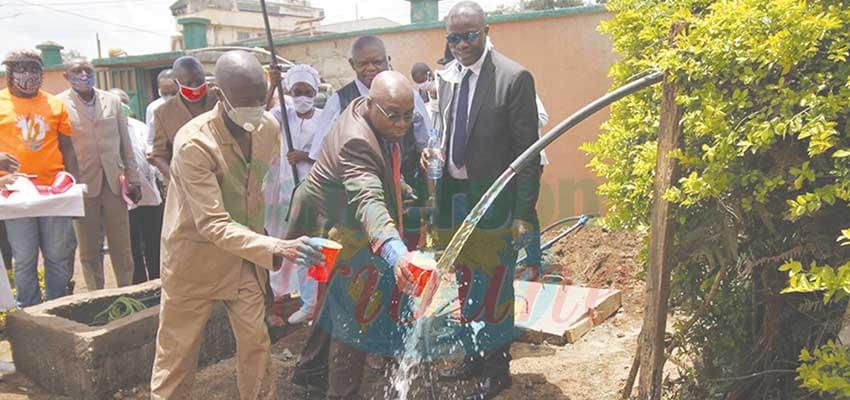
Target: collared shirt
{"points": [[149, 117], [138, 138], [332, 111], [214, 215], [475, 71], [168, 119], [542, 120]]}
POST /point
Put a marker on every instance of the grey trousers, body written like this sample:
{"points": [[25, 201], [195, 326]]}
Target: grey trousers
{"points": [[107, 210]]}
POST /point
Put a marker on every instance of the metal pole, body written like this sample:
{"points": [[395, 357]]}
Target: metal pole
{"points": [[279, 88]]}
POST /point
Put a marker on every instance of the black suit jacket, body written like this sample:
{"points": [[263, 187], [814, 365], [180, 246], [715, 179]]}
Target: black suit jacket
{"points": [[502, 125]]}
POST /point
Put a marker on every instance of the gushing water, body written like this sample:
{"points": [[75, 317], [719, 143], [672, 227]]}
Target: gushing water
{"points": [[416, 339], [419, 333], [413, 355]]}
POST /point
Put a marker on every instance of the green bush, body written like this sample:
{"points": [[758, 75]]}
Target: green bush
{"points": [[765, 88]]}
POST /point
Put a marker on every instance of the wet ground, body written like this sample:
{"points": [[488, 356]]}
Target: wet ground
{"points": [[593, 368]]}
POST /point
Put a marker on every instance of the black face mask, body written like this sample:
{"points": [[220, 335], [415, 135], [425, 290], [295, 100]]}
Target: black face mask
{"points": [[27, 82]]}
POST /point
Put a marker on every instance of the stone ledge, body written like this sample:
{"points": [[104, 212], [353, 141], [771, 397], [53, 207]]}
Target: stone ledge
{"points": [[90, 362]]}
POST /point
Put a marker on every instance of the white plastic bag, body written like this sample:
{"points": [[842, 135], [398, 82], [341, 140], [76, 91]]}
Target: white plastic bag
{"points": [[26, 202]]}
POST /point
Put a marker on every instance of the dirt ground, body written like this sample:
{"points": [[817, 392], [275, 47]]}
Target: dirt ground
{"points": [[593, 368]]}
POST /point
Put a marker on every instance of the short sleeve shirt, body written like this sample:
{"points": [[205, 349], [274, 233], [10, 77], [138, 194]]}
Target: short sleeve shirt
{"points": [[29, 131]]}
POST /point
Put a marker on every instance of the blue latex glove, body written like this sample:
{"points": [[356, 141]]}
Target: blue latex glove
{"points": [[393, 251]]}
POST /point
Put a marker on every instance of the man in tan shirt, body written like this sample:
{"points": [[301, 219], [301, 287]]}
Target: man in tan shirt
{"points": [[104, 153], [192, 101], [213, 248]]}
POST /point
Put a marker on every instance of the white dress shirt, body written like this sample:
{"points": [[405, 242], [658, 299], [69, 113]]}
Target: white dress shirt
{"points": [[475, 72], [421, 122], [147, 173], [542, 120], [149, 119]]}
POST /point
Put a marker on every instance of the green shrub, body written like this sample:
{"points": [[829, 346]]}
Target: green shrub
{"points": [[765, 88]]}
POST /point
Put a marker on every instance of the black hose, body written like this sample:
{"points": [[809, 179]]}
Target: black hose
{"points": [[582, 115]]}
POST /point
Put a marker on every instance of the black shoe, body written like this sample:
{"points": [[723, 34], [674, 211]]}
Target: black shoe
{"points": [[466, 370], [490, 387], [311, 383]]}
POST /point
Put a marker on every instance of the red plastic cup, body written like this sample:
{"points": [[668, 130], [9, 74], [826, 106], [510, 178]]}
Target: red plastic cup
{"points": [[422, 268], [62, 183], [322, 272]]}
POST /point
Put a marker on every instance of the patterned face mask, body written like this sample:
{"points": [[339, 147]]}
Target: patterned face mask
{"points": [[81, 82], [27, 82]]}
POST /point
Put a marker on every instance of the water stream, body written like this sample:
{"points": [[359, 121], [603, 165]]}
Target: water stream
{"points": [[418, 338]]}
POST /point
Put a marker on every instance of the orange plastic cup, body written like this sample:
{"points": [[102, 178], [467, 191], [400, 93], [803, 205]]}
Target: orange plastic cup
{"points": [[422, 268], [322, 273]]}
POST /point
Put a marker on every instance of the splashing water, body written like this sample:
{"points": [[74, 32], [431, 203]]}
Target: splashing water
{"points": [[413, 355], [446, 263], [416, 339], [416, 347]]}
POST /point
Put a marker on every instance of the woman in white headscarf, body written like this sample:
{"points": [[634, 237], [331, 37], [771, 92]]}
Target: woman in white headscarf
{"points": [[302, 85]]}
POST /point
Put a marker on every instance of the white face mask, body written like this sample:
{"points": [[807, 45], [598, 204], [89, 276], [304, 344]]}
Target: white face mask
{"points": [[248, 118], [302, 104]]}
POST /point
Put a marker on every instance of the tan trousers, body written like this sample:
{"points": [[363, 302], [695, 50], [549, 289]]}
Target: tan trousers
{"points": [[181, 326], [109, 211]]}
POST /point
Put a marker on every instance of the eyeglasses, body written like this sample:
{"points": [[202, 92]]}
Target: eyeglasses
{"points": [[395, 118], [468, 37]]}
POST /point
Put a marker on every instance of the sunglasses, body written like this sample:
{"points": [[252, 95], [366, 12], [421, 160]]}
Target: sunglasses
{"points": [[468, 37], [395, 118]]}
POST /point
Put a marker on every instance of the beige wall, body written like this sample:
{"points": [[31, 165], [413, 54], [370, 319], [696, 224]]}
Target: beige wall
{"points": [[226, 24], [566, 54], [54, 82]]}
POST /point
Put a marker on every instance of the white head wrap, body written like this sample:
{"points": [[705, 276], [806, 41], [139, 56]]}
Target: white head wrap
{"points": [[302, 73]]}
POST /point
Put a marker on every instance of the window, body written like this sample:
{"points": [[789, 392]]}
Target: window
{"points": [[243, 35]]}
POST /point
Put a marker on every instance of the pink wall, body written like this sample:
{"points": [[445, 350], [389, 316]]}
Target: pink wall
{"points": [[566, 54]]}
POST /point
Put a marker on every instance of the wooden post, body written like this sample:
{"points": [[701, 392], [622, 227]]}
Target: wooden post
{"points": [[651, 346]]}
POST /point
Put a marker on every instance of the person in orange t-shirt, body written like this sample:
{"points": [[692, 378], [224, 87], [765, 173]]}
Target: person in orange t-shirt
{"points": [[34, 129]]}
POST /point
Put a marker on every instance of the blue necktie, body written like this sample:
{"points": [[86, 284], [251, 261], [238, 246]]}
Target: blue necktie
{"points": [[461, 119]]}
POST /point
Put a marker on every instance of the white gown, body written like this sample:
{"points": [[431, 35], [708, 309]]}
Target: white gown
{"points": [[278, 188]]}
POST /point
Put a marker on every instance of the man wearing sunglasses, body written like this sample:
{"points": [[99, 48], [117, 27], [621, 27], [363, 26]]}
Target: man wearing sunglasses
{"points": [[192, 101], [352, 195], [488, 116]]}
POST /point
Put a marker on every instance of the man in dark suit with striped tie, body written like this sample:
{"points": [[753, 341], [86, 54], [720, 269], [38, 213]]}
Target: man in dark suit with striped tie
{"points": [[488, 117]]}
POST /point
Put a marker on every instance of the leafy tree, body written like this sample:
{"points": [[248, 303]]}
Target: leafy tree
{"points": [[534, 5], [550, 4], [70, 54], [765, 85]]}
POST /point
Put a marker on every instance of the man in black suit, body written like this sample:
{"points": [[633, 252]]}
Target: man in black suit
{"points": [[488, 116]]}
